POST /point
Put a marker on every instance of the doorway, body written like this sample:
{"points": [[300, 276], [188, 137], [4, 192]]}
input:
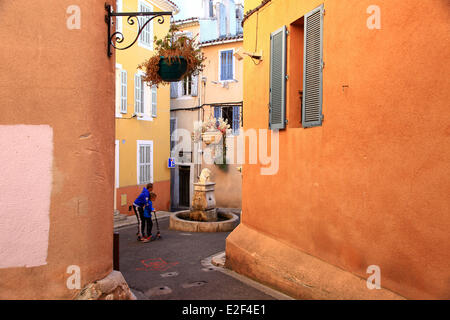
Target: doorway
{"points": [[184, 186]]}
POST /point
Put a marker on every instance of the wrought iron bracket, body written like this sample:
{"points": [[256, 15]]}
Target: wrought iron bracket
{"points": [[116, 37]]}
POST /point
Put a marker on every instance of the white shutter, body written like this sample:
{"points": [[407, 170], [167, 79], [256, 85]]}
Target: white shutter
{"points": [[194, 86], [173, 90], [123, 91], [137, 93], [154, 101], [180, 88], [139, 100]]}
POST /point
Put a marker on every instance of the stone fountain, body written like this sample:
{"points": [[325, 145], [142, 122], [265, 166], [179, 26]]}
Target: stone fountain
{"points": [[203, 216], [204, 202]]}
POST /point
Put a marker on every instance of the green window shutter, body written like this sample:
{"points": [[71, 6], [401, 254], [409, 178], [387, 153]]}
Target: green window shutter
{"points": [[313, 65], [277, 114]]}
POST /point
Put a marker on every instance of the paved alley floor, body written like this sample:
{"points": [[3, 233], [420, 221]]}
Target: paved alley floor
{"points": [[178, 267]]}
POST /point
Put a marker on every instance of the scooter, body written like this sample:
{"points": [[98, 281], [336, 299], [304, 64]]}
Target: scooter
{"points": [[158, 234]]}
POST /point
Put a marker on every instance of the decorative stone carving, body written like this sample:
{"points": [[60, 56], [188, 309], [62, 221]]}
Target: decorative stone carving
{"points": [[205, 176]]}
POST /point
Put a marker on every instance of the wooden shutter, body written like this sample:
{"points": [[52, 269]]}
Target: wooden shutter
{"points": [[230, 65], [277, 112], [313, 65], [226, 65], [222, 65]]}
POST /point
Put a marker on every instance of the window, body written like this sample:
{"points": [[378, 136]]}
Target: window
{"points": [[226, 63], [145, 161], [138, 94], [146, 37], [123, 91], [232, 115], [154, 101], [187, 86]]}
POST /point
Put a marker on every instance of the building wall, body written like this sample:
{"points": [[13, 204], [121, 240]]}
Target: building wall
{"points": [[57, 148], [130, 130], [210, 90], [368, 187], [228, 182]]}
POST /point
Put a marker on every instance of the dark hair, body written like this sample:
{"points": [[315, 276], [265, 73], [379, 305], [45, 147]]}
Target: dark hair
{"points": [[149, 186], [152, 195]]}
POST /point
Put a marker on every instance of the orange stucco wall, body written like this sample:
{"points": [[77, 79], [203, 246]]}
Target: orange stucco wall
{"points": [[62, 79], [370, 186]]}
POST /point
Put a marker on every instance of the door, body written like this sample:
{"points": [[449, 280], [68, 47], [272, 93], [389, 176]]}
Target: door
{"points": [[184, 185]]}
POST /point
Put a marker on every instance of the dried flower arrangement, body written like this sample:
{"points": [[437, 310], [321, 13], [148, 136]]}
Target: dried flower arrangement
{"points": [[172, 50]]}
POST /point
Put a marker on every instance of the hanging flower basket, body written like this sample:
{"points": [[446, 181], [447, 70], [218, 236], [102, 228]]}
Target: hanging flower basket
{"points": [[176, 57], [172, 71]]}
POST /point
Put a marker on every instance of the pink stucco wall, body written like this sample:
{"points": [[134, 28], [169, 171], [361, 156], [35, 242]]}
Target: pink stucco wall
{"points": [[26, 155]]}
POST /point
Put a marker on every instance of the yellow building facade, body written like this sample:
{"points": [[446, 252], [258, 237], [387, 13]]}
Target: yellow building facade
{"points": [[142, 145]]}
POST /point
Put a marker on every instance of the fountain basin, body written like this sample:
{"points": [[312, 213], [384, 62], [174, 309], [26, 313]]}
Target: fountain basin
{"points": [[180, 221]]}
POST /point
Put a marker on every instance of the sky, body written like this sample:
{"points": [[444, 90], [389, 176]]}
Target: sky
{"points": [[191, 8]]}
